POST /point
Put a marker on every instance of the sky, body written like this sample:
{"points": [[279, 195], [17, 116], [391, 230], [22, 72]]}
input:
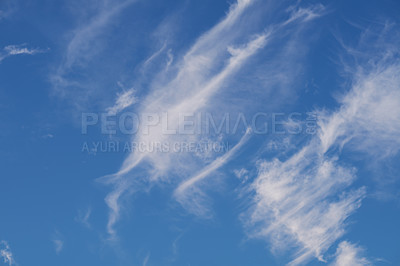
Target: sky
{"points": [[182, 132]]}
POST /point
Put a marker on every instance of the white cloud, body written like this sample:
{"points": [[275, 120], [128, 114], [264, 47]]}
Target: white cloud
{"points": [[369, 115], [146, 260], [48, 136], [348, 254], [58, 245], [83, 44], [83, 217], [178, 97], [8, 7], [124, 100], [21, 49], [301, 202], [80, 46], [58, 242], [188, 196], [155, 55], [305, 14], [6, 254], [242, 174], [210, 63], [304, 199], [18, 49]]}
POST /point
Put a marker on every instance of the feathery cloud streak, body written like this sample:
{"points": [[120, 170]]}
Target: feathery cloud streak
{"points": [[185, 193], [200, 58], [303, 200], [81, 46], [84, 216], [199, 76], [7, 8], [12, 50], [349, 254], [124, 100], [6, 254]]}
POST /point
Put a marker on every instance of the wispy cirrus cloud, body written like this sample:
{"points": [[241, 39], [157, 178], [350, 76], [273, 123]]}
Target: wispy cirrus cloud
{"points": [[349, 254], [369, 119], [305, 199], [7, 7], [83, 44], [123, 101], [80, 46], [146, 260], [57, 242], [202, 72], [302, 201], [305, 14], [84, 216], [176, 97], [189, 196], [20, 49], [58, 245], [6, 254]]}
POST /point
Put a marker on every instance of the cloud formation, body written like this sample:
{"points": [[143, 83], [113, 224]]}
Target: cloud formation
{"points": [[84, 216], [177, 97], [80, 46], [7, 7], [21, 49], [83, 44], [58, 245], [210, 63], [124, 100], [189, 196], [57, 242], [6, 254], [305, 199], [348, 254]]}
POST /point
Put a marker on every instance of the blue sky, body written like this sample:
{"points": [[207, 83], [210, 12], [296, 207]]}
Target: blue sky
{"points": [[184, 132]]}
